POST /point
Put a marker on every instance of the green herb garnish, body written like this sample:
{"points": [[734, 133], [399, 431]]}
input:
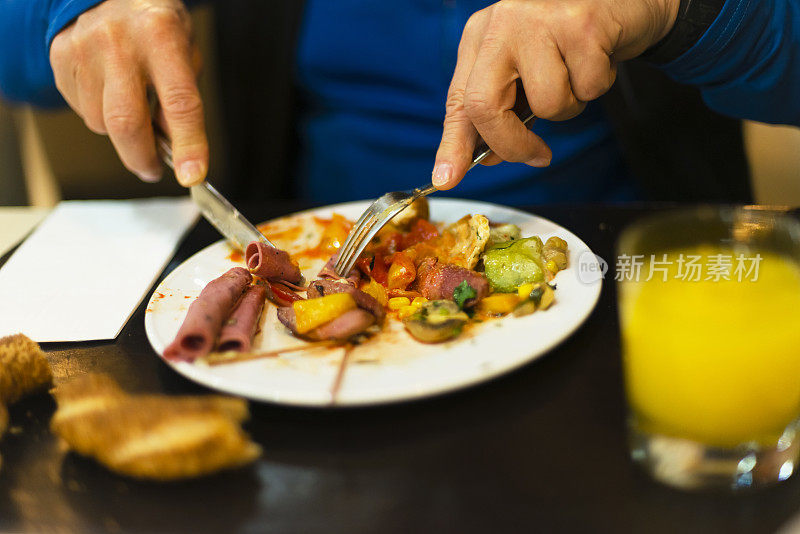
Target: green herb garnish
{"points": [[463, 293]]}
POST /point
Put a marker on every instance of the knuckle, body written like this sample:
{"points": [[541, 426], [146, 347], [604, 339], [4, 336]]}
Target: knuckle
{"points": [[493, 42], [555, 100], [503, 11], [590, 89], [473, 22], [124, 123], [479, 107], [79, 51], [159, 17], [476, 21], [455, 102], [182, 104], [580, 16], [60, 49], [108, 35], [163, 23]]}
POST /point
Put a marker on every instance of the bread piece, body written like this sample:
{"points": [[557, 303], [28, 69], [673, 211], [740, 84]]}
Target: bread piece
{"points": [[3, 426], [3, 420], [152, 436], [23, 368]]}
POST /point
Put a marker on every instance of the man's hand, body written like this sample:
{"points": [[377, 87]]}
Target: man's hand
{"points": [[104, 64], [565, 52]]}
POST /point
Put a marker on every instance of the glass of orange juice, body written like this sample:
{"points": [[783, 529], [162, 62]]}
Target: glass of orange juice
{"points": [[709, 305]]}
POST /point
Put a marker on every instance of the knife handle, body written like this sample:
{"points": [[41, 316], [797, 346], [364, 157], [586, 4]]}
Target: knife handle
{"points": [[163, 146]]}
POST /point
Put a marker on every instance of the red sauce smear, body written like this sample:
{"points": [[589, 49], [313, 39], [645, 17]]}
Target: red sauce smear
{"points": [[289, 234], [236, 256], [334, 233]]}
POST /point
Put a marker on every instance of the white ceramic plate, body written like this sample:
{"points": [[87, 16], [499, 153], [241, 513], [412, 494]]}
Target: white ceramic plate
{"points": [[392, 366]]}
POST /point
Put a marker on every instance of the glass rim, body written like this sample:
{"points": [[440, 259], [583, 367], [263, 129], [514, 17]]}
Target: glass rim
{"points": [[779, 216]]}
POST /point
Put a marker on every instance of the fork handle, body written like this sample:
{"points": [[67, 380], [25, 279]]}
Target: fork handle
{"points": [[423, 191]]}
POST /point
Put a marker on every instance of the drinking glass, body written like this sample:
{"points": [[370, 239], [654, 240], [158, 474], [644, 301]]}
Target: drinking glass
{"points": [[709, 305]]}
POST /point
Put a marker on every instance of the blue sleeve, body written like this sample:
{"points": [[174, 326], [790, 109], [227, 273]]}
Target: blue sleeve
{"points": [[27, 27], [747, 64]]}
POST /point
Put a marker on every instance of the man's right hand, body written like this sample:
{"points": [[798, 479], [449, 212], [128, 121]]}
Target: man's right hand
{"points": [[104, 63]]}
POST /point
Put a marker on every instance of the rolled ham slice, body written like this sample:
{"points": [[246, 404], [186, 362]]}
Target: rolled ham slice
{"points": [[204, 319], [348, 324], [238, 331], [329, 272], [439, 281], [271, 263], [322, 287]]}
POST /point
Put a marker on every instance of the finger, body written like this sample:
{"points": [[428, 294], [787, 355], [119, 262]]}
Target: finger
{"points": [[591, 73], [174, 81], [454, 155], [491, 159], [63, 65], [127, 119], [490, 96], [90, 89], [546, 81]]}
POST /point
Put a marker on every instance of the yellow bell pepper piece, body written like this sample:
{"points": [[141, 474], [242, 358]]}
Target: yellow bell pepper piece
{"points": [[376, 291], [312, 313], [419, 301], [499, 304], [525, 290]]}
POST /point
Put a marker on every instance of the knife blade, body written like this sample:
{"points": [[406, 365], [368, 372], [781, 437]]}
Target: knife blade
{"points": [[215, 208]]}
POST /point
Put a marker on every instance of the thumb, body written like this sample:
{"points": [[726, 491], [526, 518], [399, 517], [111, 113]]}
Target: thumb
{"points": [[454, 156]]}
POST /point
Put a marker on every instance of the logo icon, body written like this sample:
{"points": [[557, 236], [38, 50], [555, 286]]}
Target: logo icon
{"points": [[591, 267]]}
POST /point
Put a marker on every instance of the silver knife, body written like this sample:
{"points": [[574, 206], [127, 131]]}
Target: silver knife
{"points": [[214, 207]]}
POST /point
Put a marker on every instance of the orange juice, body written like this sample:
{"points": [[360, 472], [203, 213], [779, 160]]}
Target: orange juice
{"points": [[714, 361]]}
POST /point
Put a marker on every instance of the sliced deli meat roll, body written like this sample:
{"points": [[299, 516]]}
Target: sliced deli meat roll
{"points": [[439, 281], [322, 287], [329, 272], [207, 314], [271, 263], [238, 331], [348, 324]]}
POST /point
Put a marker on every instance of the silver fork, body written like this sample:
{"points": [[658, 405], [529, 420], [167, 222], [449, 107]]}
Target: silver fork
{"points": [[382, 210]]}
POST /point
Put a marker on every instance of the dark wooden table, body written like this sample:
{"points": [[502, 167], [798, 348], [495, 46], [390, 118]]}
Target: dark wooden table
{"points": [[541, 449]]}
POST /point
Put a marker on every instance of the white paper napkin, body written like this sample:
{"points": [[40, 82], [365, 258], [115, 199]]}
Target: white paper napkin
{"points": [[16, 223], [86, 268]]}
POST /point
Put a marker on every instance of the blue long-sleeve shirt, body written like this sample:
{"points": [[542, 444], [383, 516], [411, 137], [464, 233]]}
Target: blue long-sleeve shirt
{"points": [[375, 77]]}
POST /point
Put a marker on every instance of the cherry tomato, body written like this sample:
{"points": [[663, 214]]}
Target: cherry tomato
{"points": [[402, 272], [422, 230], [379, 270]]}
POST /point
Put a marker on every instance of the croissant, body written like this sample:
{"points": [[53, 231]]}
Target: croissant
{"points": [[152, 436], [23, 370], [3, 426]]}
